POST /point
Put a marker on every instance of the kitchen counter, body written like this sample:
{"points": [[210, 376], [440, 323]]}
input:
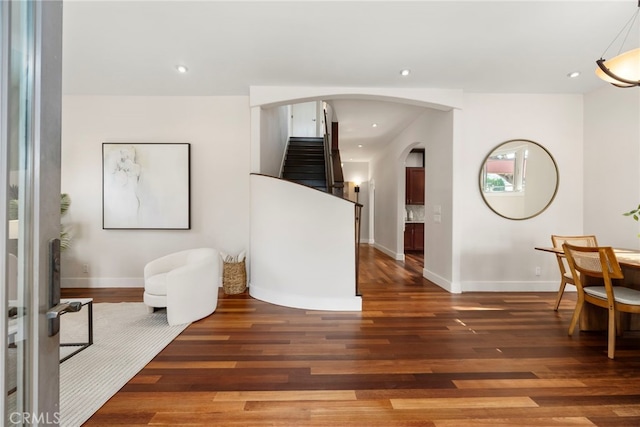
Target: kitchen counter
{"points": [[413, 221]]}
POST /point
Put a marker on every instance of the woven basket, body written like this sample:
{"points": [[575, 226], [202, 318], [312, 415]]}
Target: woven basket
{"points": [[234, 277]]}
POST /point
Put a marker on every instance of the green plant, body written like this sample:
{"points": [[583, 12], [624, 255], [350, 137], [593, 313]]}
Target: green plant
{"points": [[65, 203], [635, 214], [13, 209], [65, 230]]}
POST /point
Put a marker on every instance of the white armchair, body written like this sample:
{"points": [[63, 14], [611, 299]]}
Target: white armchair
{"points": [[185, 282]]}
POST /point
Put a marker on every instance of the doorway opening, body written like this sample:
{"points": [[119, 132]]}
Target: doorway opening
{"points": [[414, 202]]}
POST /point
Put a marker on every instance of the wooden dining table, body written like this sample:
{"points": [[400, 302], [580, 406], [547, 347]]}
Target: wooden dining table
{"points": [[626, 257], [595, 318]]}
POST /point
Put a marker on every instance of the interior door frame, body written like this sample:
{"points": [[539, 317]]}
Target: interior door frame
{"points": [[39, 168]]}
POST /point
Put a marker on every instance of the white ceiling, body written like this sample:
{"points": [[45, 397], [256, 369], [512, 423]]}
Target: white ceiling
{"points": [[132, 48], [359, 140]]}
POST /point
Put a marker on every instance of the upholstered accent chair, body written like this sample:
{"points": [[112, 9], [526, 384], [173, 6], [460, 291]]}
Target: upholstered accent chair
{"points": [[184, 282]]}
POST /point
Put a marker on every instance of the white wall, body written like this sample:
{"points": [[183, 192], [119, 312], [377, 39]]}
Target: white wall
{"points": [[389, 177], [612, 165], [302, 246], [274, 128], [384, 174], [439, 256], [497, 253], [356, 171], [432, 130], [217, 129], [474, 247]]}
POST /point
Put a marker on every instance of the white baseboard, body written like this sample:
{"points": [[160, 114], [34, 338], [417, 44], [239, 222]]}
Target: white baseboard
{"points": [[445, 284], [102, 282], [552, 286], [466, 286], [106, 282], [387, 251], [493, 286], [353, 303]]}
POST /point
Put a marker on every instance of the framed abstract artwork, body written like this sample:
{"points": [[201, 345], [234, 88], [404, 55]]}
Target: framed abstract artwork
{"points": [[146, 186]]}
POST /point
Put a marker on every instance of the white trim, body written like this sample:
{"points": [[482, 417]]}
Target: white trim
{"points": [[102, 282], [255, 139], [518, 286], [440, 99], [308, 303], [389, 252], [106, 282], [445, 284]]}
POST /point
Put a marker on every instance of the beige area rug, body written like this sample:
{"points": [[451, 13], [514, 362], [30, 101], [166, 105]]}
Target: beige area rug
{"points": [[125, 338]]}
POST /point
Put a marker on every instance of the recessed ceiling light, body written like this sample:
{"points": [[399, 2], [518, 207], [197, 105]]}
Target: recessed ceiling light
{"points": [[359, 145], [374, 125], [405, 72], [573, 74], [181, 69]]}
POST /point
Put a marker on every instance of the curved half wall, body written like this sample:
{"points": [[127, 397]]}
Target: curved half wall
{"points": [[302, 247]]}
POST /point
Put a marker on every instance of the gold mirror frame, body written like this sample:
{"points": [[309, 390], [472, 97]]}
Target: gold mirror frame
{"points": [[543, 196]]}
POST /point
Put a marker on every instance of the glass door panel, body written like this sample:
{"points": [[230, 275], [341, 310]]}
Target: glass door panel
{"points": [[29, 126], [17, 85]]}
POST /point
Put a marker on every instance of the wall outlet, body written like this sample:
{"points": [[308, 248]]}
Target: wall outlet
{"points": [[85, 268], [538, 272]]}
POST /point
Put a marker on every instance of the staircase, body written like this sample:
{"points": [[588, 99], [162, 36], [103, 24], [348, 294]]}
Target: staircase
{"points": [[305, 163]]}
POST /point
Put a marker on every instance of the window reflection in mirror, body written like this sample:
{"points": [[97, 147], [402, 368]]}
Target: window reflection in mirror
{"points": [[505, 169], [518, 179]]}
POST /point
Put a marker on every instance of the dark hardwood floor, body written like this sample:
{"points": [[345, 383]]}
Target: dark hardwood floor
{"points": [[415, 356]]}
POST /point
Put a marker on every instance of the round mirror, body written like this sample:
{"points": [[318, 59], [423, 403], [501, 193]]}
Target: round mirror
{"points": [[518, 179]]}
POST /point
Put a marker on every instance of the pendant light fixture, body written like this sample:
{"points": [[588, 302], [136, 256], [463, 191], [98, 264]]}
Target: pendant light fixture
{"points": [[622, 70]]}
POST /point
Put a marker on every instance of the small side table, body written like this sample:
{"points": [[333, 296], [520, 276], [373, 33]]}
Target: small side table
{"points": [[84, 302]]}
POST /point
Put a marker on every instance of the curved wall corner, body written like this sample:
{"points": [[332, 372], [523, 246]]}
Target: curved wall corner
{"points": [[302, 247]]}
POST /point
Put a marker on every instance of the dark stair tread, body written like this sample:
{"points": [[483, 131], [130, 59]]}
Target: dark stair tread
{"points": [[304, 168], [310, 182], [306, 144], [304, 157], [294, 177], [302, 153], [315, 139], [306, 152], [305, 163]]}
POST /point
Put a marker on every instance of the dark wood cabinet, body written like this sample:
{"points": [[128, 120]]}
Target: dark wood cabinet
{"points": [[414, 186], [414, 237], [418, 237], [408, 237]]}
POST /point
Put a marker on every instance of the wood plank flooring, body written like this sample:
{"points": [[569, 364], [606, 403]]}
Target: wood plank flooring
{"points": [[415, 356]]}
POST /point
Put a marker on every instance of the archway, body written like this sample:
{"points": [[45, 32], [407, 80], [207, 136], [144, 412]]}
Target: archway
{"points": [[435, 125]]}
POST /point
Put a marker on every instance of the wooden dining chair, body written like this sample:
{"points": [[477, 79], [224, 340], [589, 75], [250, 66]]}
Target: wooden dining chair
{"points": [[565, 274], [601, 263]]}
